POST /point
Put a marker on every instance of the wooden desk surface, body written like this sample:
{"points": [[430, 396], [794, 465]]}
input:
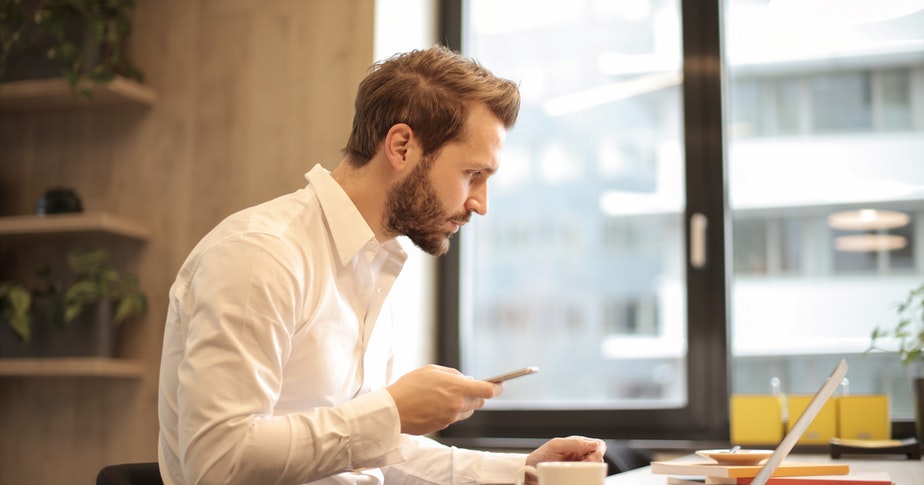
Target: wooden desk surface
{"points": [[902, 471]]}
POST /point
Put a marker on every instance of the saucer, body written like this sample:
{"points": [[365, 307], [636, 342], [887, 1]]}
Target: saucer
{"points": [[740, 457]]}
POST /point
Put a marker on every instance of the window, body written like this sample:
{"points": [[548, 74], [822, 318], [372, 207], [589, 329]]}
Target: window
{"points": [[824, 127], [582, 266]]}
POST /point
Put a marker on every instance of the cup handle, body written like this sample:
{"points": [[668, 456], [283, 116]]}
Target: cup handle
{"points": [[521, 473]]}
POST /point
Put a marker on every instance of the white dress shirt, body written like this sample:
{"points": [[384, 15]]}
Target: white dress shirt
{"points": [[275, 357]]}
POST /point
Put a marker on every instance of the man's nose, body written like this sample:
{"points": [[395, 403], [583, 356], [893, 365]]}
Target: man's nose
{"points": [[478, 201]]}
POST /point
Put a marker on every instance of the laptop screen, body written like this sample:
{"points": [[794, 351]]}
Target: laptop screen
{"points": [[812, 410]]}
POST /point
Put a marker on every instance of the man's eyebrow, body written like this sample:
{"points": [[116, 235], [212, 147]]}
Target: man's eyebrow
{"points": [[488, 166]]}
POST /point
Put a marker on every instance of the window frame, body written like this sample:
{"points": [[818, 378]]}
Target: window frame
{"points": [[705, 417]]}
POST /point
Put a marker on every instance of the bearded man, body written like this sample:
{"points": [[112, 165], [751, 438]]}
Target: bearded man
{"points": [[277, 357]]}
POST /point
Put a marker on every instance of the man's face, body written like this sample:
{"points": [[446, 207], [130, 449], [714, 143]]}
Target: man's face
{"points": [[441, 192]]}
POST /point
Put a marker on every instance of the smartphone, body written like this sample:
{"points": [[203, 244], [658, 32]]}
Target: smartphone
{"points": [[510, 375]]}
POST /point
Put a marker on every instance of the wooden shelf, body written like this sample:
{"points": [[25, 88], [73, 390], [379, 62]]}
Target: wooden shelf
{"points": [[55, 93], [71, 367], [80, 222]]}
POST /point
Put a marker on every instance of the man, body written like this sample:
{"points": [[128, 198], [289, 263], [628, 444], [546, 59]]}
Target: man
{"points": [[276, 367]]}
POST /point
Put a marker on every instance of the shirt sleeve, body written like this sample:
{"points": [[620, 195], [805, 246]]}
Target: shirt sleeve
{"points": [[243, 305], [428, 462]]}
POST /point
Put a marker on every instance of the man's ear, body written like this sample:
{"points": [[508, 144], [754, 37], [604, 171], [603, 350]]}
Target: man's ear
{"points": [[397, 145]]}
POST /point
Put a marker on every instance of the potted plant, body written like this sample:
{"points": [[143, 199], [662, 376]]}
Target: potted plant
{"points": [[81, 40], [908, 331], [73, 315]]}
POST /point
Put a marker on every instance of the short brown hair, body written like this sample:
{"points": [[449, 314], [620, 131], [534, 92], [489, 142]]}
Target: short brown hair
{"points": [[431, 91]]}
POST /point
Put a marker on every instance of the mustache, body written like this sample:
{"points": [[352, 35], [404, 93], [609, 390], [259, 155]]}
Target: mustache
{"points": [[463, 217]]}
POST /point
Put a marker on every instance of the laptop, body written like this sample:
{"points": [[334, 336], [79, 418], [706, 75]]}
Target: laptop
{"points": [[812, 410]]}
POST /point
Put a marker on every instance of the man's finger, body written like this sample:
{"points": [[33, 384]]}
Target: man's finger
{"points": [[482, 389]]}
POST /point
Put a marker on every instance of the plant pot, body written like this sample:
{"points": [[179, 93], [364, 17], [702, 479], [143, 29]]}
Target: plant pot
{"points": [[91, 334]]}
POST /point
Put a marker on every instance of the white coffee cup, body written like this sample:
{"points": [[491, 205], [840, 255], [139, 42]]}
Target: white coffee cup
{"points": [[565, 473]]}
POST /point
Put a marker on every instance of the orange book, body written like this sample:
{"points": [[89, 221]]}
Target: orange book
{"points": [[865, 478], [709, 468]]}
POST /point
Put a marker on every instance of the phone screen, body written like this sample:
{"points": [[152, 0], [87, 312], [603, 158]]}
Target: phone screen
{"points": [[510, 375]]}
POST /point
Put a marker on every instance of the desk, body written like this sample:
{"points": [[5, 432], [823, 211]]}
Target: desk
{"points": [[903, 472]]}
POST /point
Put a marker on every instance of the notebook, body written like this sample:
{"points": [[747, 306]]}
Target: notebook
{"points": [[763, 472]]}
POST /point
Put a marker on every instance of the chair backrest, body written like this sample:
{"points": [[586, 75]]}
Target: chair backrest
{"points": [[130, 474]]}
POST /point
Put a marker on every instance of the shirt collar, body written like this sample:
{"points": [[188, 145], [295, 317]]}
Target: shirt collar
{"points": [[348, 228]]}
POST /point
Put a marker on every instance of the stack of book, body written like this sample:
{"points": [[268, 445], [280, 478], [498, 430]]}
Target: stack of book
{"points": [[788, 473]]}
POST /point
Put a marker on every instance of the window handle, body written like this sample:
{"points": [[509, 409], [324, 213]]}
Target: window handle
{"points": [[698, 224]]}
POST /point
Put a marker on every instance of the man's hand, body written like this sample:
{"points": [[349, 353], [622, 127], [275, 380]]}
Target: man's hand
{"points": [[433, 397], [572, 448]]}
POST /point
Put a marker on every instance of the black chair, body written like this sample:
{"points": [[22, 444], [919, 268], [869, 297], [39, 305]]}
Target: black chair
{"points": [[130, 474], [620, 457]]}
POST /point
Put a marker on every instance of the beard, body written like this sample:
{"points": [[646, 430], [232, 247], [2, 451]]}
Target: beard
{"points": [[414, 210]]}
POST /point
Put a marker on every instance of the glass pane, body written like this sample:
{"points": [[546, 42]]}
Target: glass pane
{"points": [[578, 267], [841, 102], [826, 120]]}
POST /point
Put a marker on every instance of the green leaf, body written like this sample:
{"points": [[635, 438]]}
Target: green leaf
{"points": [[19, 299], [82, 293], [71, 311], [22, 327], [86, 261], [130, 306], [17, 304]]}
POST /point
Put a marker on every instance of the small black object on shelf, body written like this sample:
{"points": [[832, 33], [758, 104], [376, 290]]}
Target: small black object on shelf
{"points": [[910, 447], [58, 200]]}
